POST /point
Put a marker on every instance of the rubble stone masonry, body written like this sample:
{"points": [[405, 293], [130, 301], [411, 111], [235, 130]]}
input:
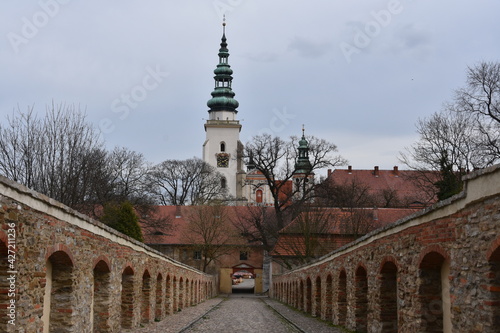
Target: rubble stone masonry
{"points": [[61, 271], [435, 271]]}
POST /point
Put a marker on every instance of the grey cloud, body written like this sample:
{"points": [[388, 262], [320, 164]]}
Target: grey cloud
{"points": [[307, 48], [261, 57], [410, 36]]}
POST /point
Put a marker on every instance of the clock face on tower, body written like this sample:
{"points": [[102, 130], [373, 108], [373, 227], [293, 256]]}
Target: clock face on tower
{"points": [[222, 160]]}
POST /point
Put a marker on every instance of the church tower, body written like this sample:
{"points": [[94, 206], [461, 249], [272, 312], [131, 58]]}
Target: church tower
{"points": [[303, 177], [222, 148]]}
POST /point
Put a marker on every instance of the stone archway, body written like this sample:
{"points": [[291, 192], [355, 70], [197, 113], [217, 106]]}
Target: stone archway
{"points": [[361, 299], [127, 297], [317, 298], [59, 298], [159, 297], [102, 291], [243, 278], [433, 292], [329, 298], [389, 297], [342, 298], [494, 286], [308, 300]]}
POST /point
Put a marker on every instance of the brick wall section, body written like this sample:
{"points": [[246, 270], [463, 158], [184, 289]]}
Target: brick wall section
{"points": [[435, 271], [91, 270]]}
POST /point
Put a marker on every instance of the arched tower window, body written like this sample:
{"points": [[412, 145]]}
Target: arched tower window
{"points": [[223, 182], [223, 147]]}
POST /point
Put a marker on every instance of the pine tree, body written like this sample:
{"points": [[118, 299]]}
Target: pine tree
{"points": [[450, 183], [122, 218]]}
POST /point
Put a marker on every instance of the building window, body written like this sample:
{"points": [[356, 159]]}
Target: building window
{"points": [[197, 255], [258, 196], [223, 182], [222, 147], [243, 255]]}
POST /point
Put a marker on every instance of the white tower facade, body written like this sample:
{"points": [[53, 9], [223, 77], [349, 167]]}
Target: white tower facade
{"points": [[222, 148]]}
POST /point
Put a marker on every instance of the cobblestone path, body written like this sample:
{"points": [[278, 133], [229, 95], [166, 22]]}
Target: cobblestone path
{"points": [[238, 313], [242, 315]]}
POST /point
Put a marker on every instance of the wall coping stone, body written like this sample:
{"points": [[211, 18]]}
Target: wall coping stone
{"points": [[478, 185], [49, 206]]}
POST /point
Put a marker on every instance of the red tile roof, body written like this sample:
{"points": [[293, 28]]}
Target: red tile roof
{"points": [[179, 218], [332, 235], [403, 182]]}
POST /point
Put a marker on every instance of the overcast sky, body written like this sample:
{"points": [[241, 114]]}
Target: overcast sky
{"points": [[356, 73]]}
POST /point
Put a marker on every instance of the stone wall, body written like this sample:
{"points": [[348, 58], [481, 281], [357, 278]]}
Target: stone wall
{"points": [[435, 271], [61, 271]]}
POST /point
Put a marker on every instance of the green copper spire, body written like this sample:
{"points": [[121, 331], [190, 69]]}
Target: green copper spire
{"points": [[303, 165], [222, 96]]}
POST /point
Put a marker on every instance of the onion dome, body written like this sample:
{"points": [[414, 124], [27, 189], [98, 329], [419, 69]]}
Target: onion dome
{"points": [[223, 96], [303, 165]]}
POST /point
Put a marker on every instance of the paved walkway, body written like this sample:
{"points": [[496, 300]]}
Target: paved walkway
{"points": [[239, 313]]}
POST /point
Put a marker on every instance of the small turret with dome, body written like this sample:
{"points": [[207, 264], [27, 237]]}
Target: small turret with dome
{"points": [[303, 165]]}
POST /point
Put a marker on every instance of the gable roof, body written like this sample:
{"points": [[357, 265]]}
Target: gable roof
{"points": [[333, 234], [179, 218], [406, 184]]}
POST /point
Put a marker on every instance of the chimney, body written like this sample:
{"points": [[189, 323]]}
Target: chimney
{"points": [[396, 171], [375, 213], [375, 171], [349, 169], [178, 214], [329, 172]]}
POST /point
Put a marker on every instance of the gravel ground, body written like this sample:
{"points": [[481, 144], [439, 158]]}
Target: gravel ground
{"points": [[238, 313]]}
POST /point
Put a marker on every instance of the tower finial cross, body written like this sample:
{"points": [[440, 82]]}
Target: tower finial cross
{"points": [[303, 129]]}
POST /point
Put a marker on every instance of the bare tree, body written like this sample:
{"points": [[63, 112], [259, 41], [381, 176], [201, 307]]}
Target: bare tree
{"points": [[480, 98], [356, 222], [209, 232], [60, 155], [191, 181], [276, 159], [450, 142], [350, 193], [18, 140], [129, 170], [465, 135], [309, 236], [258, 225], [353, 197], [481, 95], [445, 134], [127, 175]]}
